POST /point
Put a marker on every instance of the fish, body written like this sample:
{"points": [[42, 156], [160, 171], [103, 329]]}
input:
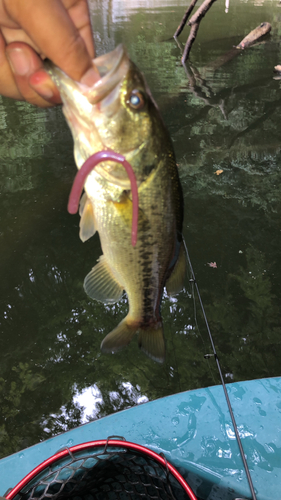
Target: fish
{"points": [[119, 113]]}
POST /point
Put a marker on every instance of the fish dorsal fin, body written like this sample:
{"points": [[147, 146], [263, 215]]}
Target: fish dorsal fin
{"points": [[101, 285], [87, 221], [175, 282]]}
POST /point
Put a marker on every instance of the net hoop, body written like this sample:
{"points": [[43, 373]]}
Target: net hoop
{"points": [[107, 443]]}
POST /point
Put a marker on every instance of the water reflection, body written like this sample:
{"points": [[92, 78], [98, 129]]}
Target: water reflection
{"points": [[52, 374], [226, 6]]}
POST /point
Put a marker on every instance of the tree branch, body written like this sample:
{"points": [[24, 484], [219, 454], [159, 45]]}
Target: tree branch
{"points": [[184, 19], [200, 13], [189, 42], [194, 23]]}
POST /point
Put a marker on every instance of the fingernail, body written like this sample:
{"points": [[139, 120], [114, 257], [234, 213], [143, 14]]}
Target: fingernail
{"points": [[19, 62], [41, 84], [44, 91], [90, 77]]}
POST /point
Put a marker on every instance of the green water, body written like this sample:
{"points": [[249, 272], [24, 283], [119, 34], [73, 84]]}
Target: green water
{"points": [[52, 374]]}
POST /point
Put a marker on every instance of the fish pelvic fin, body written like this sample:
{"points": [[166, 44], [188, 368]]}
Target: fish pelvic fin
{"points": [[175, 282], [119, 337], [151, 341], [101, 285], [87, 221]]}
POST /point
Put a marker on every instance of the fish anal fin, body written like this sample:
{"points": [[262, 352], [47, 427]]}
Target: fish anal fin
{"points": [[119, 337], [87, 221], [101, 285], [151, 341], [175, 282]]}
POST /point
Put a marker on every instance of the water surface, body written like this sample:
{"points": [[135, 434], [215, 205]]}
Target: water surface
{"points": [[52, 374]]}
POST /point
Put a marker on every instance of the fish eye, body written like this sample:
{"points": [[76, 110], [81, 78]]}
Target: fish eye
{"points": [[136, 100]]}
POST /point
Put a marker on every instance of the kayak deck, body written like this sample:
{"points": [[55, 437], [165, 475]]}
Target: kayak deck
{"points": [[194, 431]]}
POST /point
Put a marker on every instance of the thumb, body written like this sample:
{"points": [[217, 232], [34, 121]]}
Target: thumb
{"points": [[25, 62]]}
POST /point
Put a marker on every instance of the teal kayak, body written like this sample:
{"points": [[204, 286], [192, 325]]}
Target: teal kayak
{"points": [[194, 431]]}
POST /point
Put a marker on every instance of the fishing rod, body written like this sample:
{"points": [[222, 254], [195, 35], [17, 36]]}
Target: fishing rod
{"points": [[242, 453]]}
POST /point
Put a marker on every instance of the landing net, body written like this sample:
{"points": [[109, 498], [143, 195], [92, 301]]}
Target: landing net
{"points": [[116, 470]]}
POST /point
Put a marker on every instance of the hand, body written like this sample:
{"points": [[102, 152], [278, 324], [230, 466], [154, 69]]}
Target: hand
{"points": [[31, 30]]}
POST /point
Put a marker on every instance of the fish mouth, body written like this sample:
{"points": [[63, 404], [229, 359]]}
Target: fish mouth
{"points": [[104, 96], [112, 68], [83, 106]]}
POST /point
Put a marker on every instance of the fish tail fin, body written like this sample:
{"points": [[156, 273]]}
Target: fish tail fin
{"points": [[151, 341], [119, 337]]}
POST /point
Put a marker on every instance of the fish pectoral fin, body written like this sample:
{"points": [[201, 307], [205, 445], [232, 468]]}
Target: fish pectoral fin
{"points": [[119, 337], [175, 282], [151, 341], [87, 221], [101, 285], [124, 208]]}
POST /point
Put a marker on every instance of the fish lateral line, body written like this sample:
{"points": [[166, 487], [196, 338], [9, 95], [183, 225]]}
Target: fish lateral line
{"points": [[87, 168]]}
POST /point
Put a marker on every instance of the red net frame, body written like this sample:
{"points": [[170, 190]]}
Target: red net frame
{"points": [[107, 443]]}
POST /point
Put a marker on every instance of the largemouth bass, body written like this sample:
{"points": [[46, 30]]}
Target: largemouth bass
{"points": [[119, 113]]}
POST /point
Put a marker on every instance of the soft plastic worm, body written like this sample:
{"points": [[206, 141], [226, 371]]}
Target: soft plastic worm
{"points": [[86, 169]]}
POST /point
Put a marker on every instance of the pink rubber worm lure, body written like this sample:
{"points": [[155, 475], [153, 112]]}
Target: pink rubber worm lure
{"points": [[86, 169]]}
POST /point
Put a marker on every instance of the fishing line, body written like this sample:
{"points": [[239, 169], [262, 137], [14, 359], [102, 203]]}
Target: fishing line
{"points": [[197, 326], [193, 281]]}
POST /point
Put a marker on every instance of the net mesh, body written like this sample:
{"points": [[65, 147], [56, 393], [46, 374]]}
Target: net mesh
{"points": [[116, 474]]}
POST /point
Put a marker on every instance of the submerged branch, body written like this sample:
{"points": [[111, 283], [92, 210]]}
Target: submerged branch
{"points": [[194, 23], [253, 39], [202, 89]]}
